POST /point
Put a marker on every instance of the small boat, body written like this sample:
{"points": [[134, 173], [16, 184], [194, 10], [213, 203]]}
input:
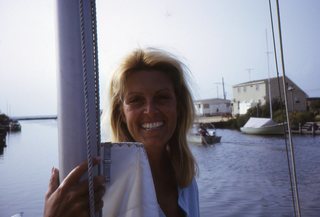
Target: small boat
{"points": [[204, 140], [18, 215], [204, 136], [262, 126], [14, 126]]}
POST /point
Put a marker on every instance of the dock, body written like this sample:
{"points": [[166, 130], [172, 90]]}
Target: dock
{"points": [[311, 128], [212, 119], [34, 117]]}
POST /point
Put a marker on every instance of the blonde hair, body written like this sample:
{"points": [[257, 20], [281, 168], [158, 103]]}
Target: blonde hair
{"points": [[183, 162]]}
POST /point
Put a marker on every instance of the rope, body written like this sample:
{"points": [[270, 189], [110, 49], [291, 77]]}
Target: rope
{"points": [[96, 80], [86, 100], [96, 71], [291, 164]]}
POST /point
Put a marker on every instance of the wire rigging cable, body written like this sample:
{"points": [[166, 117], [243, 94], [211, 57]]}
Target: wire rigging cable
{"points": [[280, 96], [290, 147]]}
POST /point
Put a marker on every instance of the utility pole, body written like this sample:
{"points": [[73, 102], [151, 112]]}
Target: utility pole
{"points": [[249, 71], [224, 90]]}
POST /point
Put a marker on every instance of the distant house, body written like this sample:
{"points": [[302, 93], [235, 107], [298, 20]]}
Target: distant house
{"points": [[250, 94], [213, 107]]}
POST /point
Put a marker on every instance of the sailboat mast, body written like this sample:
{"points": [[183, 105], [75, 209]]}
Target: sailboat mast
{"points": [[269, 83], [291, 161]]}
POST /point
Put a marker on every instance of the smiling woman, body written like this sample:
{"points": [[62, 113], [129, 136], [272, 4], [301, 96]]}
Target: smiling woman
{"points": [[151, 104], [149, 108]]}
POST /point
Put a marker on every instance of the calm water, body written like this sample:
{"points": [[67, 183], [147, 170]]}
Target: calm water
{"points": [[242, 176]]}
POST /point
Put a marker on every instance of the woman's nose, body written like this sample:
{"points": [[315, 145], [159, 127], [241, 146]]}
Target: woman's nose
{"points": [[150, 107]]}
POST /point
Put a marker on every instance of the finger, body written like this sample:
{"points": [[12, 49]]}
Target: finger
{"points": [[100, 181], [80, 193], [98, 194], [53, 183], [78, 209], [77, 200], [99, 184], [83, 188], [98, 205], [74, 176]]}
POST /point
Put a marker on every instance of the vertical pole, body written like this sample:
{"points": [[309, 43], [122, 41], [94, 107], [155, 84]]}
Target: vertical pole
{"points": [[224, 91], [292, 155], [313, 128], [300, 128], [71, 106], [292, 101], [269, 83]]}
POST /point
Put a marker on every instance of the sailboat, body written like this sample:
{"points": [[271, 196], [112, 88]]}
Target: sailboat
{"points": [[264, 126]]}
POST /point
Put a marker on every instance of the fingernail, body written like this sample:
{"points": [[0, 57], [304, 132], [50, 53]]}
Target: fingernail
{"points": [[52, 170]]}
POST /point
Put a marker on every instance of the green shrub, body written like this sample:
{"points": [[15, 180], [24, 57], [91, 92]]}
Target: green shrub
{"points": [[4, 119], [301, 117]]}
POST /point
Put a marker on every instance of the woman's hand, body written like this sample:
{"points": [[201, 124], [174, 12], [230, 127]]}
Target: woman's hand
{"points": [[71, 197]]}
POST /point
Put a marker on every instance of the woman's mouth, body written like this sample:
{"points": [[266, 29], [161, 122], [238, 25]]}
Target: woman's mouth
{"points": [[151, 126]]}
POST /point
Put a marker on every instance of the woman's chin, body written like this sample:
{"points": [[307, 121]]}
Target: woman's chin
{"points": [[153, 144]]}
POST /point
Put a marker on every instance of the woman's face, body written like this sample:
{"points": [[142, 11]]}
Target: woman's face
{"points": [[150, 108]]}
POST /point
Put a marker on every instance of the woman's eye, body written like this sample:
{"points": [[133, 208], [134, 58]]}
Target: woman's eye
{"points": [[163, 97], [134, 100]]}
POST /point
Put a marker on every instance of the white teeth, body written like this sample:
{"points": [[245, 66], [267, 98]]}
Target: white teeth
{"points": [[149, 126]]}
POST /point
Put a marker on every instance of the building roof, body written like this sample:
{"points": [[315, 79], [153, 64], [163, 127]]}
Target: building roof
{"points": [[212, 101], [266, 81], [254, 82]]}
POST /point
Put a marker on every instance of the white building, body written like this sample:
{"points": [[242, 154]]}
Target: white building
{"points": [[213, 107], [250, 94]]}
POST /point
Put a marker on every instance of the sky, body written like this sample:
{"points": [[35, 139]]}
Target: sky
{"points": [[214, 38]]}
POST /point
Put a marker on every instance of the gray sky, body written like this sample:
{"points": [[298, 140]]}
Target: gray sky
{"points": [[215, 38]]}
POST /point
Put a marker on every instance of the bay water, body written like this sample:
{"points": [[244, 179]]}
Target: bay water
{"points": [[241, 176]]}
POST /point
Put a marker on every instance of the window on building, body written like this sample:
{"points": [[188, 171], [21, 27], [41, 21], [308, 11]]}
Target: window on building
{"points": [[244, 89], [239, 90], [257, 86], [205, 106]]}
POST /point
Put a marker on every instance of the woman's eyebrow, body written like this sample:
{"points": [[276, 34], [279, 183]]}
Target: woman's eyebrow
{"points": [[164, 90], [132, 93]]}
